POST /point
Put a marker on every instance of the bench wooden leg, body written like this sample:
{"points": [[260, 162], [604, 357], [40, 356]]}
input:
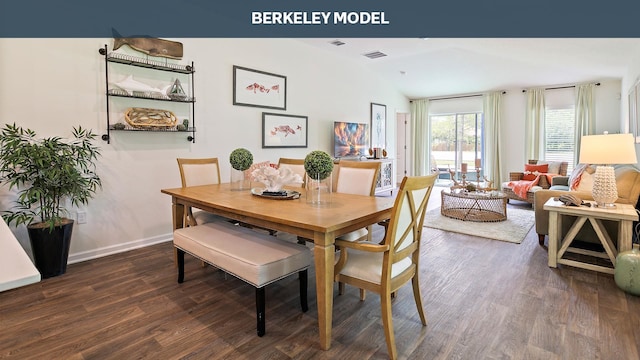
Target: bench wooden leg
{"points": [[180, 258], [260, 306], [303, 276]]}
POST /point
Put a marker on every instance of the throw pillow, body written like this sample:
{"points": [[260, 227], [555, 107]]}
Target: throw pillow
{"points": [[531, 172], [578, 174], [586, 181], [554, 166]]}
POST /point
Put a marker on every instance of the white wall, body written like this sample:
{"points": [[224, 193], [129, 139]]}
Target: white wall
{"points": [[50, 85]]}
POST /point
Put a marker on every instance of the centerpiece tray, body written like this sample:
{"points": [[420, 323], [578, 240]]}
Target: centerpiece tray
{"points": [[291, 194]]}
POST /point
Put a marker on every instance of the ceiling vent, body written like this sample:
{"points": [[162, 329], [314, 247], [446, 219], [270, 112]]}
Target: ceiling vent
{"points": [[337, 43], [375, 54]]}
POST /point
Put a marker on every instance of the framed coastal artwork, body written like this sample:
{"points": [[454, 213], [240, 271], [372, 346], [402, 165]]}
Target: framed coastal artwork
{"points": [[284, 131], [259, 88], [378, 125]]}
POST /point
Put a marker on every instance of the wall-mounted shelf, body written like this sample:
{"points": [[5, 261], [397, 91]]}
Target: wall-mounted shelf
{"points": [[148, 96], [112, 57], [145, 63]]}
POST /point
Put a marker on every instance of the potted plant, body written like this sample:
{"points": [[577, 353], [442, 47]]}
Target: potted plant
{"points": [[47, 172], [241, 159], [318, 166]]}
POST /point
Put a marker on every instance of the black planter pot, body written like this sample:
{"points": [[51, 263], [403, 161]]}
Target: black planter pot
{"points": [[51, 248]]}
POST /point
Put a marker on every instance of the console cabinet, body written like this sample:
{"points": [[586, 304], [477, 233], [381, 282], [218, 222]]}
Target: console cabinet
{"points": [[385, 181]]}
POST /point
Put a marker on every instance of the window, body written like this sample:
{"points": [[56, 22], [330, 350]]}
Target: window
{"points": [[559, 133], [559, 126], [457, 139]]}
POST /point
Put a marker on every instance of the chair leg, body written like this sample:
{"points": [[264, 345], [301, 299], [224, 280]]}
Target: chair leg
{"points": [[387, 323], [363, 294], [418, 298], [340, 288], [303, 278], [180, 259], [260, 308]]}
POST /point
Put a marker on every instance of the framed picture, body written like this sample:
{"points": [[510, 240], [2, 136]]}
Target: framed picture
{"points": [[281, 131], [259, 89], [378, 125]]}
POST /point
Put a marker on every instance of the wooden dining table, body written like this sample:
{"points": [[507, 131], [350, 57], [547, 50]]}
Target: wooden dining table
{"points": [[320, 224]]}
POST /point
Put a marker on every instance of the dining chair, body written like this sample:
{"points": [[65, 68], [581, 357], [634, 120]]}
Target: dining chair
{"points": [[358, 178], [384, 268], [295, 165], [194, 172]]}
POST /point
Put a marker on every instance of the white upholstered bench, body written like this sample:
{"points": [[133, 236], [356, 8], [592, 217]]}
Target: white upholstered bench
{"points": [[256, 258]]}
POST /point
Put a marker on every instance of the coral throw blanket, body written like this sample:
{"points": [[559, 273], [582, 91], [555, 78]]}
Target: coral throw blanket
{"points": [[521, 187]]}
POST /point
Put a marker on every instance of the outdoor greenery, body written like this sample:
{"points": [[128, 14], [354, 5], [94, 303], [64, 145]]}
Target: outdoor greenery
{"points": [[318, 164], [444, 132], [456, 139], [47, 172], [241, 159]]}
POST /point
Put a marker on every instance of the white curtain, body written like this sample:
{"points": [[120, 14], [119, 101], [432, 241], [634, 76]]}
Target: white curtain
{"points": [[492, 151], [585, 116], [420, 136], [534, 125]]}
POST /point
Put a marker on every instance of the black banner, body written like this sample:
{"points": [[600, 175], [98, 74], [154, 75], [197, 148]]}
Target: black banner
{"points": [[313, 18]]}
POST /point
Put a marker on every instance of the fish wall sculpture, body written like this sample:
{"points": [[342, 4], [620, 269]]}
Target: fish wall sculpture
{"points": [[148, 45]]}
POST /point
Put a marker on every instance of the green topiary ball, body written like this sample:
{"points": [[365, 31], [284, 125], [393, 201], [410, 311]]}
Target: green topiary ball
{"points": [[318, 164], [241, 159]]}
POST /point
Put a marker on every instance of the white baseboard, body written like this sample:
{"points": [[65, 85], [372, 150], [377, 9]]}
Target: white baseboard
{"points": [[115, 249]]}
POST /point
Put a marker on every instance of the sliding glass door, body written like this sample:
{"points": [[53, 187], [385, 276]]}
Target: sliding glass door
{"points": [[457, 144]]}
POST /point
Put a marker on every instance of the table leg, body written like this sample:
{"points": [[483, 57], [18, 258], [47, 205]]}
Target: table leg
{"points": [[178, 215], [177, 211], [554, 233], [324, 259], [625, 235]]}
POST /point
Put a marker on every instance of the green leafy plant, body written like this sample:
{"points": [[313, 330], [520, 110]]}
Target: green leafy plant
{"points": [[241, 159], [47, 172], [318, 164]]}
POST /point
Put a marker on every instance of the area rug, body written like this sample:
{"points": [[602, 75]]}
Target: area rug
{"points": [[514, 229]]}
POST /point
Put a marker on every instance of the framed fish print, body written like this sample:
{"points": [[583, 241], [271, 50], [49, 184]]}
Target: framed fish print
{"points": [[378, 125], [282, 131], [259, 89]]}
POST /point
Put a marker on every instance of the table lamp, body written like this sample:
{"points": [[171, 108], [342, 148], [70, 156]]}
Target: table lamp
{"points": [[604, 150]]}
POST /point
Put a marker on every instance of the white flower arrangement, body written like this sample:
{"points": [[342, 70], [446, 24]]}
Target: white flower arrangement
{"points": [[274, 179]]}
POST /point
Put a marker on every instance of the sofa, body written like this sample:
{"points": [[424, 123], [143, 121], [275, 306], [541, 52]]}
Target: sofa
{"points": [[627, 182], [541, 182]]}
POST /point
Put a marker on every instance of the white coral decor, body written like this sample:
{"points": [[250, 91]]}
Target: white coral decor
{"points": [[274, 179]]}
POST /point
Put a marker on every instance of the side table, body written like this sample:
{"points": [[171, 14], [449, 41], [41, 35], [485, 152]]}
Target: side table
{"points": [[624, 214]]}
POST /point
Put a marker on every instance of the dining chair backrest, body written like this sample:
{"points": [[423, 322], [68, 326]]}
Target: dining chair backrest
{"points": [[407, 218], [358, 177], [203, 171], [295, 165]]}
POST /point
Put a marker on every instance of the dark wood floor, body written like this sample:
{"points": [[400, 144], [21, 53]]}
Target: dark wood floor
{"points": [[484, 299]]}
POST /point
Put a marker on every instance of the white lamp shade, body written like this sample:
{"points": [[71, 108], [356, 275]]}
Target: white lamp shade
{"points": [[608, 149]]}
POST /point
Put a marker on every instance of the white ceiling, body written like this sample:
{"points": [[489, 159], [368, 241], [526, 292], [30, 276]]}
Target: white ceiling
{"points": [[439, 67]]}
